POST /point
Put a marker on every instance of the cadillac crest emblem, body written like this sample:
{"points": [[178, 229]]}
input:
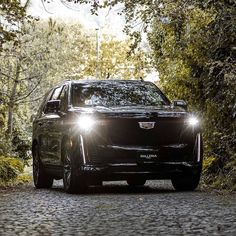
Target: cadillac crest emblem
{"points": [[146, 125]]}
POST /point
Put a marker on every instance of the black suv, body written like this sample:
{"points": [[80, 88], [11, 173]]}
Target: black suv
{"points": [[89, 131]]}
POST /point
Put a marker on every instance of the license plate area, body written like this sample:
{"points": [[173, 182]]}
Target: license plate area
{"points": [[147, 157]]}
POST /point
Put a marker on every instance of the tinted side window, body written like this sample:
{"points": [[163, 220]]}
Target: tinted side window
{"points": [[56, 93], [64, 98]]}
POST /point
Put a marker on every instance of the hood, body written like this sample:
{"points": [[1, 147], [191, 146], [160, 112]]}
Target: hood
{"points": [[133, 111]]}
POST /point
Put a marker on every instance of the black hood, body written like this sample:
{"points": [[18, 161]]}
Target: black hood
{"points": [[133, 111]]}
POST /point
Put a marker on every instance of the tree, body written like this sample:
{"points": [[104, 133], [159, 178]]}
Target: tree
{"points": [[12, 14], [114, 60], [24, 65], [79, 60]]}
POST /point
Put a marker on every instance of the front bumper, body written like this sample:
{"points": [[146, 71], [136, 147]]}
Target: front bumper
{"points": [[119, 162], [121, 171]]}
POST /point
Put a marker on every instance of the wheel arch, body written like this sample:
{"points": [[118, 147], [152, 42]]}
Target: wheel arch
{"points": [[63, 141], [73, 142]]}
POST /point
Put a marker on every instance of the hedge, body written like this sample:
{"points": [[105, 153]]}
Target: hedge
{"points": [[10, 168]]}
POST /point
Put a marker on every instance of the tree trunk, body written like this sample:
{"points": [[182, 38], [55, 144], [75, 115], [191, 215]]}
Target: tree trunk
{"points": [[10, 121], [12, 102]]}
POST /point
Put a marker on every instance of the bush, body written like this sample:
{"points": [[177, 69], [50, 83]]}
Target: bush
{"points": [[10, 168], [21, 145], [23, 179], [220, 177]]}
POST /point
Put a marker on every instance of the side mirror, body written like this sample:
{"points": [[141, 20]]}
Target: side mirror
{"points": [[180, 103], [53, 106]]}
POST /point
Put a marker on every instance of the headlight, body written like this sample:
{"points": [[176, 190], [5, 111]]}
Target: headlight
{"points": [[193, 121], [86, 123]]}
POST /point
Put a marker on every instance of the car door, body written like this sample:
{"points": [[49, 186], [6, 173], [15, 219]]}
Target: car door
{"points": [[56, 126], [40, 128], [48, 144]]}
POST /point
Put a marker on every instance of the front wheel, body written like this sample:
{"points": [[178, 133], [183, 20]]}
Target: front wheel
{"points": [[72, 181], [186, 182], [41, 178]]}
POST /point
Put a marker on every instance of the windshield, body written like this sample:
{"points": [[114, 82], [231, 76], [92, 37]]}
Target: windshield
{"points": [[117, 94]]}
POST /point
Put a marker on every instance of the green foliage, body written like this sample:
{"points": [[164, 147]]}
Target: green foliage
{"points": [[23, 179], [21, 145], [5, 144], [12, 13], [23, 80], [10, 168], [114, 60], [202, 71], [78, 57]]}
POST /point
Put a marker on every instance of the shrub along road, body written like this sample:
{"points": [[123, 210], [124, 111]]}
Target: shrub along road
{"points": [[116, 209]]}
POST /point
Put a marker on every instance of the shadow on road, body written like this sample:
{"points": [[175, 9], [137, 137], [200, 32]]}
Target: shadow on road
{"points": [[122, 189]]}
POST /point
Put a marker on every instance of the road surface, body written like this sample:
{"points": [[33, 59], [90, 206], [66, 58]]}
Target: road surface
{"points": [[116, 209]]}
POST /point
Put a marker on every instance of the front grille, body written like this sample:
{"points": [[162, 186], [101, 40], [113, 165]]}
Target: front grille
{"points": [[126, 132]]}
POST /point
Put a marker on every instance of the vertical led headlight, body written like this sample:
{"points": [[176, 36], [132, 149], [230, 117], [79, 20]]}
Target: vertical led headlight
{"points": [[86, 122], [193, 121]]}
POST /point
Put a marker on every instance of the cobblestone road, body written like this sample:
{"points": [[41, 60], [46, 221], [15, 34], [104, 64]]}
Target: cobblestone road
{"points": [[116, 209]]}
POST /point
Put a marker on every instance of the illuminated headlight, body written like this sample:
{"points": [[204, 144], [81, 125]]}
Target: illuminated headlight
{"points": [[86, 123], [193, 121]]}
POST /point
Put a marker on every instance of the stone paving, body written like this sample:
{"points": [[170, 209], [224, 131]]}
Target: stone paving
{"points": [[116, 209]]}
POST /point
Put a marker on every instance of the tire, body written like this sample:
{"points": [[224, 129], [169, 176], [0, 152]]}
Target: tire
{"points": [[41, 178], [73, 181], [186, 182], [136, 182]]}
